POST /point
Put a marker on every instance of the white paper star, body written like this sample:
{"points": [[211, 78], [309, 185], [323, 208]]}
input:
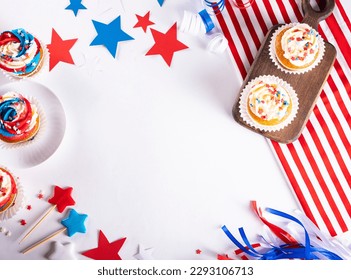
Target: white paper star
{"points": [[144, 254], [63, 252]]}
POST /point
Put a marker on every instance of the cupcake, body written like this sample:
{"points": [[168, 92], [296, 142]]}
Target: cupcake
{"points": [[19, 118], [268, 103], [297, 47], [8, 190], [21, 54]]}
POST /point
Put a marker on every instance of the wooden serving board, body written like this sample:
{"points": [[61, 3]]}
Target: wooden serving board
{"points": [[308, 86]]}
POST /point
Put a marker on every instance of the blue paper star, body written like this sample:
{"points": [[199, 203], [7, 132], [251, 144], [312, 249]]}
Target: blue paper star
{"points": [[75, 6], [161, 2], [74, 222], [109, 35]]}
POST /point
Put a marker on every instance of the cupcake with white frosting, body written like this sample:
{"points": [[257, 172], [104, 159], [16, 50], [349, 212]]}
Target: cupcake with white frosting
{"points": [[296, 48], [268, 103]]}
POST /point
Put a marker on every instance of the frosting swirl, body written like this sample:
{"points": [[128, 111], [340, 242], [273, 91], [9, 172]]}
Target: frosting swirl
{"points": [[17, 116], [268, 102], [300, 44], [20, 52], [7, 188]]}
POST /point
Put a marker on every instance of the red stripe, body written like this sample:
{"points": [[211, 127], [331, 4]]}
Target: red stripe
{"points": [[343, 109], [300, 195], [343, 77], [311, 190], [251, 28], [259, 17], [283, 11], [270, 11], [296, 10], [240, 33], [340, 38], [324, 186], [332, 144], [231, 44], [343, 14]]}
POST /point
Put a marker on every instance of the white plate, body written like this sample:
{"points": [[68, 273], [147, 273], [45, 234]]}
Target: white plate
{"points": [[51, 135]]}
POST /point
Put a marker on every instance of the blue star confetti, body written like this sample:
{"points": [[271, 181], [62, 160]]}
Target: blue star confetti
{"points": [[161, 2], [109, 35], [74, 222], [75, 6]]}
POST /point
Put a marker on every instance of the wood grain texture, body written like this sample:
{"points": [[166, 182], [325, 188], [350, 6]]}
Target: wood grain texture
{"points": [[308, 86]]}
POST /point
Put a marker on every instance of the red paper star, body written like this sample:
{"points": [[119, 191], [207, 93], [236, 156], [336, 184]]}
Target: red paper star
{"points": [[59, 50], [144, 21], [62, 198], [166, 44], [105, 249]]}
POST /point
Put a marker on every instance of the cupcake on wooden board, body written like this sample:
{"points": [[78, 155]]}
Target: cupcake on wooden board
{"points": [[268, 103], [296, 48], [21, 54], [19, 118]]}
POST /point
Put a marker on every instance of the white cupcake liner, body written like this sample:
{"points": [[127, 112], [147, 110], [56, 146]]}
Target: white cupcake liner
{"points": [[244, 98], [274, 58], [19, 200], [37, 136], [43, 66]]}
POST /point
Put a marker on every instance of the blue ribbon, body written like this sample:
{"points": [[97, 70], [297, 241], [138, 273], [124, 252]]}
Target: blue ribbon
{"points": [[285, 251]]}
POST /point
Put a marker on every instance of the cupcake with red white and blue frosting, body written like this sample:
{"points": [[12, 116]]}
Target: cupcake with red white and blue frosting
{"points": [[19, 118], [21, 54]]}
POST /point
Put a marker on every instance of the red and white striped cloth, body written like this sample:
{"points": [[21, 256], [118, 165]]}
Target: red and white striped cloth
{"points": [[318, 164]]}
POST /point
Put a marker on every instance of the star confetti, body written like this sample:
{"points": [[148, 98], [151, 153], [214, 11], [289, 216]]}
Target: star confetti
{"points": [[23, 222], [75, 222], [144, 21], [161, 2], [60, 50], [40, 195], [62, 198], [109, 35], [198, 252], [166, 44], [144, 254], [62, 251], [29, 207], [105, 249], [75, 6]]}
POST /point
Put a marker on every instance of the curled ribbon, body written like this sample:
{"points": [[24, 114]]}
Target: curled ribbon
{"points": [[290, 249]]}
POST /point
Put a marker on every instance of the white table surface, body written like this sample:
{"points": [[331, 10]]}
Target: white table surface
{"points": [[152, 151]]}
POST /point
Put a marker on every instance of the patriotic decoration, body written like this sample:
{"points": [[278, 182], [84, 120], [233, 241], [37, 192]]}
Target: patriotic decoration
{"points": [[296, 238], [317, 165]]}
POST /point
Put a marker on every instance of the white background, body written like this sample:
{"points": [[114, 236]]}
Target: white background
{"points": [[152, 151]]}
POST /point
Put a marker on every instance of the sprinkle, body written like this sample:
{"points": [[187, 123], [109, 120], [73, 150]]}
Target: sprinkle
{"points": [[198, 252], [8, 233], [40, 195], [23, 222]]}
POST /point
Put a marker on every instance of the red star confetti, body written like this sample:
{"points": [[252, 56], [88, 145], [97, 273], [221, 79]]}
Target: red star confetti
{"points": [[40, 195], [23, 222], [166, 44], [198, 251], [223, 257], [60, 50], [29, 207], [144, 21], [105, 249], [62, 198]]}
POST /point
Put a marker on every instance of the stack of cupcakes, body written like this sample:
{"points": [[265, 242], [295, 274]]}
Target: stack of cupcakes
{"points": [[269, 103]]}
